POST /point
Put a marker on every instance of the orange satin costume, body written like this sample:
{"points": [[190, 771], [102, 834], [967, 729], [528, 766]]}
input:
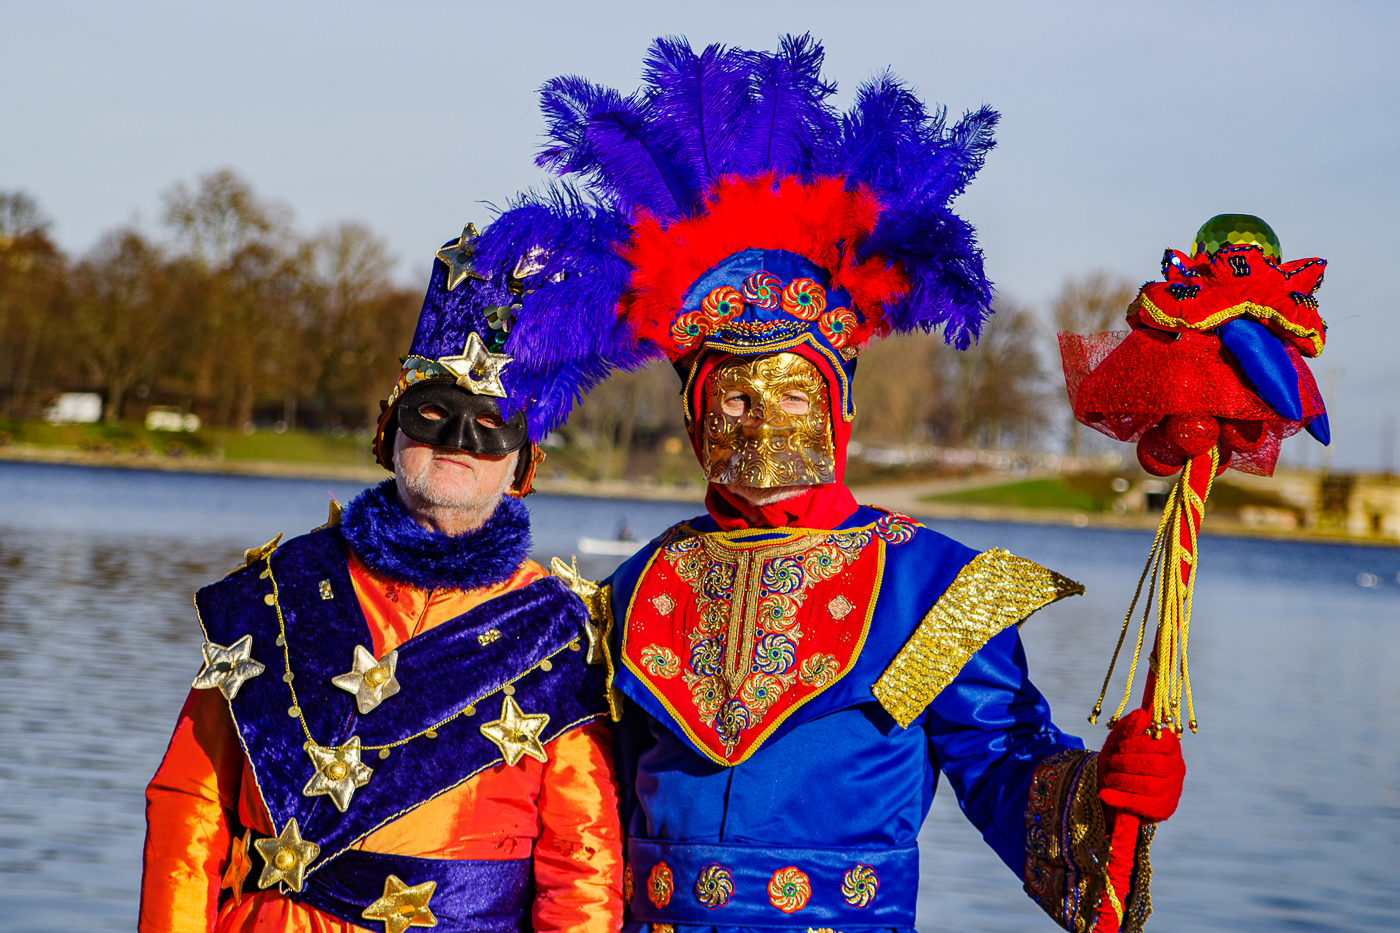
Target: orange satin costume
{"points": [[564, 811]]}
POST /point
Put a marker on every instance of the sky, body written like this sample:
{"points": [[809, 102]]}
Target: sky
{"points": [[1124, 127]]}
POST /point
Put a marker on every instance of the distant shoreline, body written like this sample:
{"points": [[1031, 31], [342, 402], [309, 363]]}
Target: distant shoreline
{"points": [[899, 497]]}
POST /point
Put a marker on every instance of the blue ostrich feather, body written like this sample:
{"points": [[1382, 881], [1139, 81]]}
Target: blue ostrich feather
{"points": [[789, 113]]}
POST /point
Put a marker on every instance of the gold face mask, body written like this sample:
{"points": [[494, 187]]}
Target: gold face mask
{"points": [[767, 437]]}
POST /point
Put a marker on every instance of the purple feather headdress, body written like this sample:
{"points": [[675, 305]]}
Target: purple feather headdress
{"points": [[727, 206]]}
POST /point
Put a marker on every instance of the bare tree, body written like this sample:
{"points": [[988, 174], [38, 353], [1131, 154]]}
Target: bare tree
{"points": [[222, 216], [31, 293], [1089, 305]]}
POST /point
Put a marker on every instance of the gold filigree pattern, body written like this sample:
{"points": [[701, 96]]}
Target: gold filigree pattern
{"points": [[1066, 840], [994, 591], [660, 884], [789, 889], [860, 885], [664, 604], [839, 607], [714, 886], [744, 647], [660, 662], [819, 670], [767, 446]]}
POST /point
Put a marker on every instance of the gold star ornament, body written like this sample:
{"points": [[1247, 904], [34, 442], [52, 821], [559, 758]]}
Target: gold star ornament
{"points": [[238, 867], [458, 257], [597, 598], [403, 906], [371, 681], [227, 668], [286, 858], [517, 733], [338, 772], [477, 369]]}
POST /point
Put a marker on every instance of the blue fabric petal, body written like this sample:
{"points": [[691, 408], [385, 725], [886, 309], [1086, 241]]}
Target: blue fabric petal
{"points": [[1266, 363]]}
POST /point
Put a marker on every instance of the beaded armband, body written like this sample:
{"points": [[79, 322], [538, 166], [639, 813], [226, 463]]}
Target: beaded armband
{"points": [[993, 592]]}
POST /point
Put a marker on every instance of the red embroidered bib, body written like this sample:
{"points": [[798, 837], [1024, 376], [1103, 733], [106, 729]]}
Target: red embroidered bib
{"points": [[733, 631]]}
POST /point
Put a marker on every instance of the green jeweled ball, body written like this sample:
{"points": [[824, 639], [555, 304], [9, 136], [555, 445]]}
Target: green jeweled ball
{"points": [[1241, 229]]}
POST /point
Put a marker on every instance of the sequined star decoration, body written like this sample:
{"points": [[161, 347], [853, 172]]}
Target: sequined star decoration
{"points": [[477, 369], [239, 864], [286, 857], [403, 906], [338, 772], [458, 257], [371, 681], [517, 733], [597, 598], [227, 668]]}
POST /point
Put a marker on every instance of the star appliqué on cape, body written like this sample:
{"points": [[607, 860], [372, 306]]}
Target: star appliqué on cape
{"points": [[227, 668]]}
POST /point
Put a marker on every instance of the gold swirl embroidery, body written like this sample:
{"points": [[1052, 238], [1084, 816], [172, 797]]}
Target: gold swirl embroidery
{"points": [[860, 885], [789, 889], [660, 662], [659, 884], [819, 670]]}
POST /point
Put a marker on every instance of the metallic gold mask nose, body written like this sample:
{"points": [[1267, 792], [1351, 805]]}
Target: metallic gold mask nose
{"points": [[768, 436]]}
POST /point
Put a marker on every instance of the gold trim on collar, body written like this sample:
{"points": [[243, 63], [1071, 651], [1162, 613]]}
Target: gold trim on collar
{"points": [[994, 591]]}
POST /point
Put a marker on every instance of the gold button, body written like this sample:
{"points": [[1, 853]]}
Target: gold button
{"points": [[287, 677], [269, 599], [546, 665], [294, 711], [508, 690], [375, 676], [574, 646], [337, 770], [383, 753], [470, 710], [431, 733], [285, 859]]}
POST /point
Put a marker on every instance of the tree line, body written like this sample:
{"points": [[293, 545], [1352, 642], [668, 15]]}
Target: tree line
{"points": [[237, 317]]}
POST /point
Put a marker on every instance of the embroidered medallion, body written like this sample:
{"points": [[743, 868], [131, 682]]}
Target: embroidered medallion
{"points": [[839, 607], [789, 890], [403, 905], [286, 857], [660, 885], [895, 527], [860, 885], [770, 621], [660, 662], [227, 668], [714, 886]]}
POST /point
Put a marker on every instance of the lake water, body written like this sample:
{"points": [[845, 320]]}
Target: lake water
{"points": [[1290, 818]]}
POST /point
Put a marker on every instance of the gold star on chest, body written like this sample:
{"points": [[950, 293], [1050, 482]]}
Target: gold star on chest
{"points": [[338, 772], [286, 857], [371, 681], [403, 905], [517, 733], [458, 257], [477, 369], [227, 668]]}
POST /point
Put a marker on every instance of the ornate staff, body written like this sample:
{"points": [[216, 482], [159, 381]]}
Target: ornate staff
{"points": [[1210, 377]]}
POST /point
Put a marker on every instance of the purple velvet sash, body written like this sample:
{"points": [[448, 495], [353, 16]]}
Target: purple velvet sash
{"points": [[472, 896], [441, 671]]}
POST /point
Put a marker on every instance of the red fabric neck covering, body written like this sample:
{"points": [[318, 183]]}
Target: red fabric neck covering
{"points": [[825, 506]]}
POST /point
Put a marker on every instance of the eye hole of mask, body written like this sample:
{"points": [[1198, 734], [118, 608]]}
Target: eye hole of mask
{"points": [[437, 413]]}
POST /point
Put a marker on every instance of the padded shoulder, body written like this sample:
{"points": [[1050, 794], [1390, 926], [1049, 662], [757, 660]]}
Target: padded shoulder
{"points": [[994, 591]]}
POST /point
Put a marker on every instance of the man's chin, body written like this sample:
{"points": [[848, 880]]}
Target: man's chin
{"points": [[765, 495]]}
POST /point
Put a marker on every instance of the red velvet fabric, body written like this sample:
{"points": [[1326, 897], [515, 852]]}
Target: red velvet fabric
{"points": [[822, 506]]}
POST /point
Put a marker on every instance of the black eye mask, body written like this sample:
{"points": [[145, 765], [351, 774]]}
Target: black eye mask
{"points": [[460, 419]]}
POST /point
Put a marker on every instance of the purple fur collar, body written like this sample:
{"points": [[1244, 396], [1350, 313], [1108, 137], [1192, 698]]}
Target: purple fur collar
{"points": [[390, 543]]}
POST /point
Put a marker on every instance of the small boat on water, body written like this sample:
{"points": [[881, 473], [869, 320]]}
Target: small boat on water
{"points": [[608, 547]]}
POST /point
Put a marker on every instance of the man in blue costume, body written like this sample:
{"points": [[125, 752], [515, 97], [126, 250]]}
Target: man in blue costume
{"points": [[399, 722], [797, 669]]}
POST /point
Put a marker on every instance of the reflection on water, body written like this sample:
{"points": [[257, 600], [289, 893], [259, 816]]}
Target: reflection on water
{"points": [[1291, 815]]}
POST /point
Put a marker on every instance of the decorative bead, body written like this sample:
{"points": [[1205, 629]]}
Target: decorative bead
{"points": [[722, 304], [546, 665], [269, 599], [763, 290], [805, 299]]}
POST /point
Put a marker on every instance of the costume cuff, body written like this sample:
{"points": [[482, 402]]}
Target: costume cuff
{"points": [[1067, 846]]}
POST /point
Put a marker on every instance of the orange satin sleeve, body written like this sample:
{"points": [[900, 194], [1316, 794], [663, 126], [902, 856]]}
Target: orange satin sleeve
{"points": [[189, 807], [578, 860]]}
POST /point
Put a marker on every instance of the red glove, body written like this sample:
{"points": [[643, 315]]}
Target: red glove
{"points": [[1139, 774]]}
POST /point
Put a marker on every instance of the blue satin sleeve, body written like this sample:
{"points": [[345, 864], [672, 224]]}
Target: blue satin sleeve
{"points": [[987, 731]]}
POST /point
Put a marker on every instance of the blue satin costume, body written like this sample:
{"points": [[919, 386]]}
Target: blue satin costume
{"points": [[840, 782]]}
